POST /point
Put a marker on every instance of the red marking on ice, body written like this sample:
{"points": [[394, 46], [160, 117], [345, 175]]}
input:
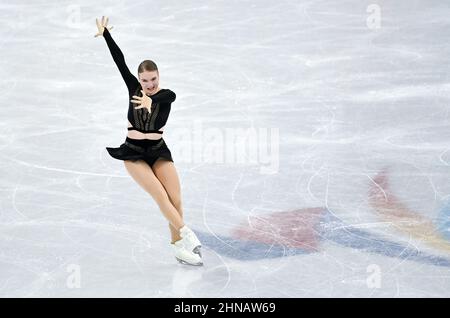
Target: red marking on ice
{"points": [[386, 203], [390, 208], [293, 229]]}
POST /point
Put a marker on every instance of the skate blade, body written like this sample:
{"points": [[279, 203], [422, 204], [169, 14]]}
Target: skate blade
{"points": [[186, 263]]}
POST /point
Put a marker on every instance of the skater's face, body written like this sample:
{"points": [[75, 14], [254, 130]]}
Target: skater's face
{"points": [[149, 81]]}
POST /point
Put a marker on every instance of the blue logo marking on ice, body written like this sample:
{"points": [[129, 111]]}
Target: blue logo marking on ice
{"points": [[443, 220], [257, 242]]}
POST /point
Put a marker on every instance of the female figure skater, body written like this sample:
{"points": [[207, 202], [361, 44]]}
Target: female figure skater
{"points": [[146, 156]]}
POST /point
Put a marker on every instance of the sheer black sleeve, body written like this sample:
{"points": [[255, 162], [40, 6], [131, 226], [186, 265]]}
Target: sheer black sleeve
{"points": [[164, 96], [130, 80]]}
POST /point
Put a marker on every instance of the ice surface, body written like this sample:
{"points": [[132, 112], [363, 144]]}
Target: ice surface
{"points": [[311, 139]]}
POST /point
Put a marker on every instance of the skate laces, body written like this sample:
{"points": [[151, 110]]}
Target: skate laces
{"points": [[189, 235]]}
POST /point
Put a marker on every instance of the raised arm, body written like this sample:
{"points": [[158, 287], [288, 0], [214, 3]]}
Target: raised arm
{"points": [[130, 80]]}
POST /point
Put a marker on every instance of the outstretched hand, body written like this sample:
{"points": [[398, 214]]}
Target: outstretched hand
{"points": [[101, 26], [143, 102]]}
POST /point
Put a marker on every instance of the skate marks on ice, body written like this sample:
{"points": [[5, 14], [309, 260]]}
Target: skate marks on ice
{"points": [[304, 231], [443, 220], [190, 281], [412, 223]]}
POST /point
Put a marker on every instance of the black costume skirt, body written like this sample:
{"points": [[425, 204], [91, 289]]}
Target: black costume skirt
{"points": [[147, 150]]}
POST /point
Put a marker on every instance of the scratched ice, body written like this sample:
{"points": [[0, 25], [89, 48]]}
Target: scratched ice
{"points": [[311, 139]]}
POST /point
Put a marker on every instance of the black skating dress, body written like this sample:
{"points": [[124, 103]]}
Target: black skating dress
{"points": [[141, 119]]}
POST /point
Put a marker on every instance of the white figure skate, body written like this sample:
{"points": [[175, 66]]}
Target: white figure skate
{"points": [[185, 256], [190, 240]]}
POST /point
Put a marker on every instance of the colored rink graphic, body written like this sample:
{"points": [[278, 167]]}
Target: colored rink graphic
{"points": [[443, 220], [389, 208], [303, 231]]}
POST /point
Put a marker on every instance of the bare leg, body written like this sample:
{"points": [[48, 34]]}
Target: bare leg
{"points": [[167, 174], [141, 172]]}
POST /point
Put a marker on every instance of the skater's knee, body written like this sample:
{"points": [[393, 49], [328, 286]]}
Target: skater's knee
{"points": [[176, 203], [161, 198]]}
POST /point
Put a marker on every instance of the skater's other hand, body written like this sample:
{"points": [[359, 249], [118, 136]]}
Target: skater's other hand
{"points": [[143, 102], [101, 26]]}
